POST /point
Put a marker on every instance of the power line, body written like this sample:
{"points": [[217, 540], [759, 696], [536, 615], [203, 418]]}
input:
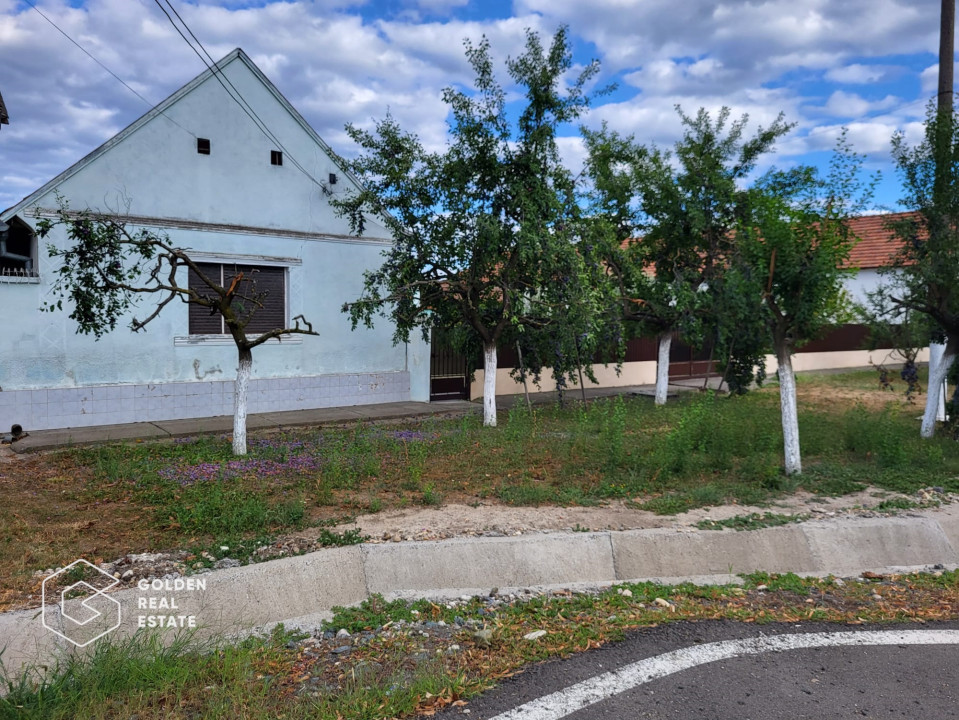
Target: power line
{"points": [[115, 76], [236, 95]]}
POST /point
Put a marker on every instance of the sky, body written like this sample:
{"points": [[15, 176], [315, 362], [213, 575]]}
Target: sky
{"points": [[869, 65]]}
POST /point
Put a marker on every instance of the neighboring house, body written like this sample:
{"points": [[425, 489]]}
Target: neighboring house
{"points": [[841, 348], [877, 247], [198, 169], [4, 117]]}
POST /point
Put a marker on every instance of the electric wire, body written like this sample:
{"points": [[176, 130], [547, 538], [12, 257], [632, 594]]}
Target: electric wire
{"points": [[115, 76], [235, 95]]}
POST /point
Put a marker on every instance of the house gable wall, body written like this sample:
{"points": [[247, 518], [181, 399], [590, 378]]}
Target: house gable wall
{"points": [[230, 204], [154, 169]]}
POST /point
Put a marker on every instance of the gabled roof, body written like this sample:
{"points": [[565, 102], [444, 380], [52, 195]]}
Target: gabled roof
{"points": [[158, 110], [877, 244]]}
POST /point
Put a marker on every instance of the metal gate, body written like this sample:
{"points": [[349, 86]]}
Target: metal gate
{"points": [[449, 379], [689, 362]]}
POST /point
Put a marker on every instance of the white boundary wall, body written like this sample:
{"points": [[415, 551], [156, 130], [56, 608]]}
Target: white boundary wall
{"points": [[644, 373]]}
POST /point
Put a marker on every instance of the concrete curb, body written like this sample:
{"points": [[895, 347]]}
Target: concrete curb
{"points": [[306, 587]]}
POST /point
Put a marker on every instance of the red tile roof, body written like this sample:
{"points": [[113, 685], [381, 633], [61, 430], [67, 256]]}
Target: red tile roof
{"points": [[877, 244]]}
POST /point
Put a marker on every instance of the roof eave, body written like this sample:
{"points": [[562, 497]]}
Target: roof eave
{"points": [[156, 110]]}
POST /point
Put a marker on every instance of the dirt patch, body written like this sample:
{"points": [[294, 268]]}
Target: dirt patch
{"points": [[490, 519], [822, 396], [48, 520]]}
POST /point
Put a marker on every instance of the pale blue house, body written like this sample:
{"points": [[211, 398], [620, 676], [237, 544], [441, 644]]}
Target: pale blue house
{"points": [[199, 169]]}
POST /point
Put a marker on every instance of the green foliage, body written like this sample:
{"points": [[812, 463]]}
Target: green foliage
{"points": [[614, 431], [922, 278], [528, 493], [786, 581], [741, 343], [99, 269], [923, 275], [673, 503], [878, 436], [520, 423], [484, 231], [893, 504], [684, 205], [793, 249], [118, 671], [720, 434], [893, 326], [702, 449], [334, 538], [791, 256], [431, 496], [688, 441], [371, 614], [218, 508]]}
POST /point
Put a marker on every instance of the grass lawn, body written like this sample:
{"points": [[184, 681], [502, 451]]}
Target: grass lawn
{"points": [[406, 658], [700, 450]]}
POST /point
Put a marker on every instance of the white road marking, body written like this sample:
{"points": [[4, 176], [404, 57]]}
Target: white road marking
{"points": [[576, 697]]}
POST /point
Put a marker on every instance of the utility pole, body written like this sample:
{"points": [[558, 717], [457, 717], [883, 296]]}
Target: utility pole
{"points": [[936, 396], [947, 40]]}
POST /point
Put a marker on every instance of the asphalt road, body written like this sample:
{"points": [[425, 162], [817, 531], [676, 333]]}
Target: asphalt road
{"points": [[727, 670]]}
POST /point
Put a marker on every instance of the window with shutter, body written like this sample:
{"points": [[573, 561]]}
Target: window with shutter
{"points": [[267, 283], [204, 321]]}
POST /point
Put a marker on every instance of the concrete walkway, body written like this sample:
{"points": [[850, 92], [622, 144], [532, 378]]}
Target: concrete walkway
{"points": [[301, 590], [160, 429]]}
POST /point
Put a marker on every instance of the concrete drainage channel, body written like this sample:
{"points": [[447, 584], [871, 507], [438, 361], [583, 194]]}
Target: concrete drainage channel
{"points": [[301, 590]]}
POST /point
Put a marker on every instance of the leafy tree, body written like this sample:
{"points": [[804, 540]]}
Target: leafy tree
{"points": [[107, 268], [484, 231], [742, 342], [922, 277], [790, 252], [684, 204], [581, 326]]}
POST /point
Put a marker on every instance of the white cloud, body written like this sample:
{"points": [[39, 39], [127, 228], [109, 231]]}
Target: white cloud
{"points": [[929, 78], [668, 76], [744, 34], [337, 65], [858, 74], [655, 120], [870, 137], [851, 105]]}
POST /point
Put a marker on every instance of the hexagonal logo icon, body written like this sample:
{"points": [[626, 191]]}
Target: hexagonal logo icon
{"points": [[81, 612]]}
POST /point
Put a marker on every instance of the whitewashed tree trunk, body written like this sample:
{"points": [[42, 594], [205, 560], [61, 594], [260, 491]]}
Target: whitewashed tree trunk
{"points": [[662, 368], [489, 384], [937, 374], [240, 388], [787, 406]]}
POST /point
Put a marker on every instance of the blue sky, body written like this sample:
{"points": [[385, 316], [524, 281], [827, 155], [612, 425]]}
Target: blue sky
{"points": [[866, 64]]}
